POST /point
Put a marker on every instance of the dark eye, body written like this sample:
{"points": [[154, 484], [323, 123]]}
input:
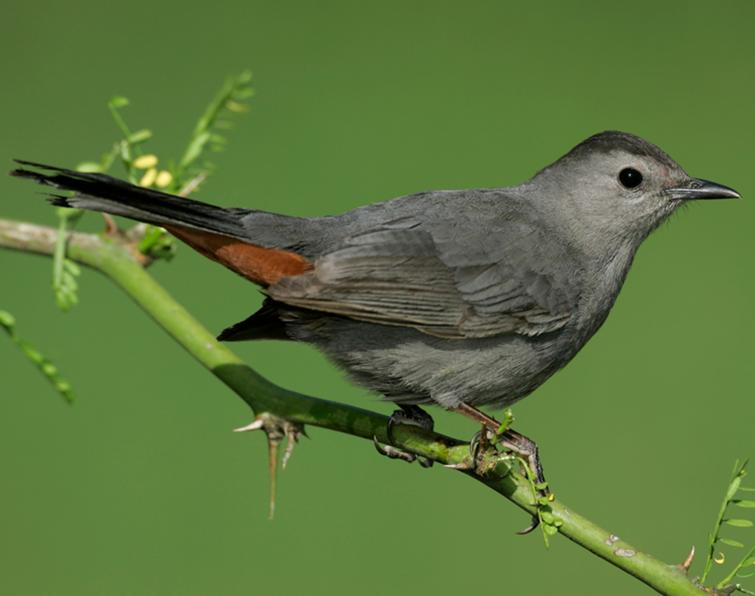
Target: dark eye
{"points": [[630, 178]]}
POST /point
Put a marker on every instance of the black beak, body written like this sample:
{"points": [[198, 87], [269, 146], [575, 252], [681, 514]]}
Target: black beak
{"points": [[697, 188]]}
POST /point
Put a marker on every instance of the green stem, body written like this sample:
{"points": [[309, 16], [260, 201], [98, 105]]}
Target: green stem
{"points": [[59, 255], [732, 575], [119, 121], [713, 537], [110, 258]]}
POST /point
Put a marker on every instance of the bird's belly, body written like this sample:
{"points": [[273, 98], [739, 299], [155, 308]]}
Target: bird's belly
{"points": [[408, 366]]}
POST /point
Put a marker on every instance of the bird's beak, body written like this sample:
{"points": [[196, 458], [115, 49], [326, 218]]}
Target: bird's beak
{"points": [[697, 188]]}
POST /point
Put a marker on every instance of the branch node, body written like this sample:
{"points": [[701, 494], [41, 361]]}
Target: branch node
{"points": [[276, 429]]}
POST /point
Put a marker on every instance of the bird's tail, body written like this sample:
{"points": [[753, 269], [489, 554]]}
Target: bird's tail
{"points": [[99, 192], [216, 232]]}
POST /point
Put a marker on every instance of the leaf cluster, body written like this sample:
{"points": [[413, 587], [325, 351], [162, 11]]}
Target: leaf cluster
{"points": [[733, 500], [47, 368], [179, 176]]}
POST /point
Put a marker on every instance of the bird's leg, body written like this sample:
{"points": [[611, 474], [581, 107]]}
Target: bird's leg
{"points": [[509, 439], [411, 415], [513, 441]]}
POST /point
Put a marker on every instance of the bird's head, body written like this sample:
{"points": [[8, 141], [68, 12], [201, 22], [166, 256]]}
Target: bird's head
{"points": [[618, 184]]}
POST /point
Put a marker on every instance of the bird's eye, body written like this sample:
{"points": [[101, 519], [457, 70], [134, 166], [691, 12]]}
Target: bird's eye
{"points": [[630, 178]]}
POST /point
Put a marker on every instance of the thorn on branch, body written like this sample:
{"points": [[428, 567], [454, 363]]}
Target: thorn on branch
{"points": [[111, 227], [192, 185], [687, 563], [276, 429]]}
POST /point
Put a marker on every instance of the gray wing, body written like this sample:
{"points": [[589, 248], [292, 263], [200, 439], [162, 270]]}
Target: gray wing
{"points": [[453, 280]]}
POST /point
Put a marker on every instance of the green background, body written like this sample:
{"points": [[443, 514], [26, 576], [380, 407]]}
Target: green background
{"points": [[141, 488]]}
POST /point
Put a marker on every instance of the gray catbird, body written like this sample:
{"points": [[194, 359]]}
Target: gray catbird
{"points": [[462, 298]]}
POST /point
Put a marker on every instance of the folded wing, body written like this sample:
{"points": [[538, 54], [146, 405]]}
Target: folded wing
{"points": [[451, 281]]}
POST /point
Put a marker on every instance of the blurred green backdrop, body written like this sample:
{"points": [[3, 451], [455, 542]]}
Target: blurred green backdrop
{"points": [[141, 488]]}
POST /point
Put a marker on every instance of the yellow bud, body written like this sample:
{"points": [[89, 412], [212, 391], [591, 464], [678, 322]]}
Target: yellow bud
{"points": [[720, 559], [164, 178], [149, 177], [144, 162]]}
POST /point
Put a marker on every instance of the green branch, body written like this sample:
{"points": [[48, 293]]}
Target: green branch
{"points": [[111, 258]]}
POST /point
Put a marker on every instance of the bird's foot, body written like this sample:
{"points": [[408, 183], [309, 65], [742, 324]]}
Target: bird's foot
{"points": [[494, 435], [497, 434], [409, 415]]}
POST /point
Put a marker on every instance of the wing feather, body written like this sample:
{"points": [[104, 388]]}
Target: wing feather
{"points": [[452, 282]]}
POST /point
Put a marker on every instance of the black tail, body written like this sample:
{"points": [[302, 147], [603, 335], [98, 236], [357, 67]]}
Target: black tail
{"points": [[99, 192]]}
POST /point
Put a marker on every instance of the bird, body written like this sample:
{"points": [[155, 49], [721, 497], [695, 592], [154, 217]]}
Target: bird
{"points": [[457, 298]]}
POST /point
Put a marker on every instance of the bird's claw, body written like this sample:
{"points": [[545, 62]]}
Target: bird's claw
{"points": [[483, 452], [506, 445], [408, 415], [533, 526], [393, 452]]}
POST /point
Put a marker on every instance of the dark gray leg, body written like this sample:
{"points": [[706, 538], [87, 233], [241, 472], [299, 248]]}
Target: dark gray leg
{"points": [[409, 414], [412, 415], [511, 440]]}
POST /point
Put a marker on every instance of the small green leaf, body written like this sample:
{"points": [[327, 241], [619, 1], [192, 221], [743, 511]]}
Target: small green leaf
{"points": [[541, 485], [733, 488], [739, 523], [71, 267], [63, 386], [68, 214], [7, 320], [745, 503], [47, 368], [550, 530], [118, 102], [731, 542], [31, 352], [194, 150], [547, 517], [109, 157], [140, 136], [242, 94], [506, 421], [224, 125], [125, 152], [235, 106], [157, 244], [89, 166]]}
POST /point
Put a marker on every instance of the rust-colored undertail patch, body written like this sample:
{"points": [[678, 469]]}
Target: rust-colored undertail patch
{"points": [[264, 266]]}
